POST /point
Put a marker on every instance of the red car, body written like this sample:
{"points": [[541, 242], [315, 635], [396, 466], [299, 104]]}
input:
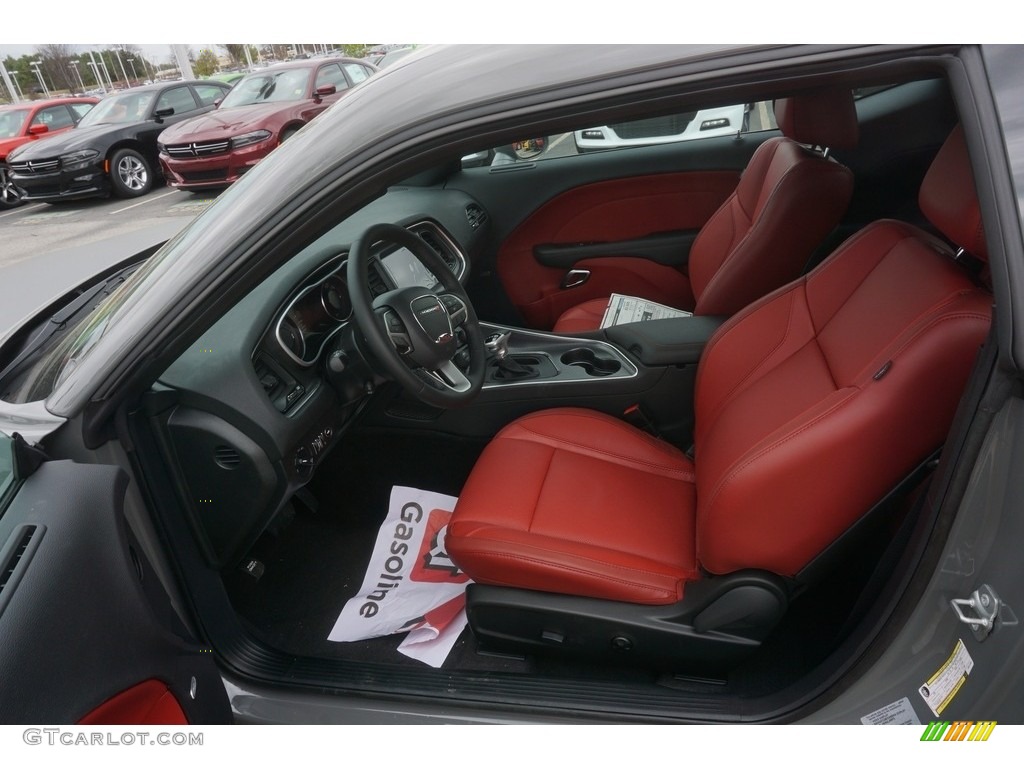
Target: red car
{"points": [[22, 123], [263, 109]]}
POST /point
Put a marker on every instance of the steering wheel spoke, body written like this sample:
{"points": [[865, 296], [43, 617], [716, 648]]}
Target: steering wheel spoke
{"points": [[455, 307], [411, 330], [395, 329], [451, 377]]}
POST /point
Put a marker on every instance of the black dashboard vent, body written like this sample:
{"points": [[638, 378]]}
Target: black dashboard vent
{"points": [[14, 557], [377, 285], [476, 215], [446, 255], [226, 457]]}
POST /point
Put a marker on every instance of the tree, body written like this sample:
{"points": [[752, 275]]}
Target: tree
{"points": [[237, 53], [205, 64], [56, 66], [356, 50]]}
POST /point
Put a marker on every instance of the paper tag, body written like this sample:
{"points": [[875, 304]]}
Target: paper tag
{"points": [[898, 713], [941, 687]]}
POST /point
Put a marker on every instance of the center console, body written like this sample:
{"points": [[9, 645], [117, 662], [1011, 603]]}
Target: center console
{"points": [[642, 372], [518, 357]]}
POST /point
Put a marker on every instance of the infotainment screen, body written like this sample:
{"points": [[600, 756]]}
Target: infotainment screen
{"points": [[406, 270]]}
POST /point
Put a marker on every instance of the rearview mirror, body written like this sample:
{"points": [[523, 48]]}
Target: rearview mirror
{"points": [[160, 114], [37, 129]]}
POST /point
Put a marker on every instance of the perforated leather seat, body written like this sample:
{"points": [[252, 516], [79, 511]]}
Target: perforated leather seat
{"points": [[788, 200], [811, 404]]}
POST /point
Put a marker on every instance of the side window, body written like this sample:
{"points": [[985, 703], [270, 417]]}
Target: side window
{"points": [[180, 100], [331, 74], [356, 72], [54, 118], [80, 110], [209, 93], [665, 129]]}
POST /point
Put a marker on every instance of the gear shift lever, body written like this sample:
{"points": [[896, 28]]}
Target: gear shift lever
{"points": [[507, 367], [497, 345]]}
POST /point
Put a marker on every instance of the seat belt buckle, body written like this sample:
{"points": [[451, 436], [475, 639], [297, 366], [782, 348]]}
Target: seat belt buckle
{"points": [[636, 416]]}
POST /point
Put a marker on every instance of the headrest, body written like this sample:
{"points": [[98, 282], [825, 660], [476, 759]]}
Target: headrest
{"points": [[949, 199], [827, 118]]}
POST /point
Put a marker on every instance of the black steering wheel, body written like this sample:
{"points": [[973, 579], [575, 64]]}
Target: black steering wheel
{"points": [[412, 331]]}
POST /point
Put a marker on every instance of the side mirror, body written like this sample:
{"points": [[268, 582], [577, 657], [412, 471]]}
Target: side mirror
{"points": [[38, 129], [216, 103], [160, 114], [324, 90]]}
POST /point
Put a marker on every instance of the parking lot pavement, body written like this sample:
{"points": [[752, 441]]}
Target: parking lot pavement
{"points": [[35, 229]]}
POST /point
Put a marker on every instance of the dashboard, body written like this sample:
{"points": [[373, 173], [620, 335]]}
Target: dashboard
{"points": [[247, 412], [322, 306]]}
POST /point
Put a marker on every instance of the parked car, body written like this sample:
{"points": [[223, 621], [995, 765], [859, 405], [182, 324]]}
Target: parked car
{"points": [[227, 77], [22, 123], [113, 149], [263, 110], [806, 513], [704, 123]]}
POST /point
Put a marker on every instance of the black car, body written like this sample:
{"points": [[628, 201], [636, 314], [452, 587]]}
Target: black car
{"points": [[113, 149], [808, 512]]}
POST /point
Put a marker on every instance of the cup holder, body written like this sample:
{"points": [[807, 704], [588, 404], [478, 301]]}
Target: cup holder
{"points": [[591, 362]]}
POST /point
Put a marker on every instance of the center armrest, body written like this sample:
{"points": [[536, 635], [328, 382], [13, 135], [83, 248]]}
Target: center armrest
{"points": [[674, 341]]}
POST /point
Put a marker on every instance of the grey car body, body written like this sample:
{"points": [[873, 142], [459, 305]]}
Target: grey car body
{"points": [[395, 129]]}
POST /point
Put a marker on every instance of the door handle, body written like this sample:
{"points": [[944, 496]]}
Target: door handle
{"points": [[575, 277]]}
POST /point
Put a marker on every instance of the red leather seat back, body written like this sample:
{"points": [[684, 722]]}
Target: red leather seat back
{"points": [[814, 402], [786, 203]]}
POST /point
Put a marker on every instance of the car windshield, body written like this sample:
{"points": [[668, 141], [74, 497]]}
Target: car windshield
{"points": [[122, 108], [286, 85], [11, 122]]}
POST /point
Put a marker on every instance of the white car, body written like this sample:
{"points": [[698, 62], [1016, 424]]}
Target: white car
{"points": [[684, 126]]}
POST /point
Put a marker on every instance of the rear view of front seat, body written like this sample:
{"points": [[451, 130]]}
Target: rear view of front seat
{"points": [[790, 197]]}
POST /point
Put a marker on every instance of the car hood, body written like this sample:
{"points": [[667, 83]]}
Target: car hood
{"points": [[88, 137], [225, 122], [8, 145]]}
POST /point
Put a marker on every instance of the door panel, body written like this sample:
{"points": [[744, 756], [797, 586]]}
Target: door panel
{"points": [[608, 212], [86, 631], [628, 194]]}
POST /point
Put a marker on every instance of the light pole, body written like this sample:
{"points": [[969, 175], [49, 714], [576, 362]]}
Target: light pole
{"points": [[103, 63], [39, 74], [135, 77], [96, 72], [12, 86], [74, 66], [117, 53]]}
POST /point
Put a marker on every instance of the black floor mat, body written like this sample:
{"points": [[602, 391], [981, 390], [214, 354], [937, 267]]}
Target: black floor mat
{"points": [[317, 562]]}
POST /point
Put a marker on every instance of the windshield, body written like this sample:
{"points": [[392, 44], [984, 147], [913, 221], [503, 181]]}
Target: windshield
{"points": [[286, 85], [122, 108], [11, 122]]}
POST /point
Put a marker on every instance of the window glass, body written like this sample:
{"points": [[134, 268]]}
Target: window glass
{"points": [[180, 100], [260, 87], [356, 72], [11, 121], [663, 129], [54, 118], [126, 107], [80, 110], [209, 94], [331, 74]]}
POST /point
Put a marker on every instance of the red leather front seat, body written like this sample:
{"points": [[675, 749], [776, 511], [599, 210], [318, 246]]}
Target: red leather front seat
{"points": [[788, 200], [811, 405]]}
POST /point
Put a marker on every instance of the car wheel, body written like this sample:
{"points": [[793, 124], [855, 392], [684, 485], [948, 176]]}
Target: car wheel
{"points": [[287, 134], [130, 174], [10, 195]]}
